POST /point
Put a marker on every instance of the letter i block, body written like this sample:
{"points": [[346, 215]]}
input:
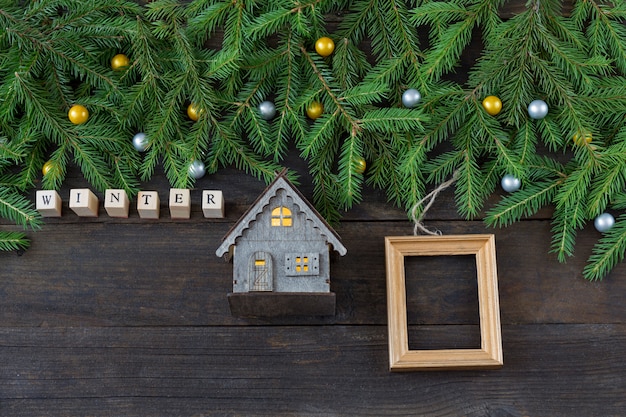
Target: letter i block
{"points": [[213, 204], [148, 204], [180, 203], [84, 202], [116, 203], [48, 203]]}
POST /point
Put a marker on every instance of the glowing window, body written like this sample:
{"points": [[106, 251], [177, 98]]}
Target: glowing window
{"points": [[281, 216], [301, 264]]}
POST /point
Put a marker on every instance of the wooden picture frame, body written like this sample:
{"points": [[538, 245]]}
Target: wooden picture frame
{"points": [[489, 356]]}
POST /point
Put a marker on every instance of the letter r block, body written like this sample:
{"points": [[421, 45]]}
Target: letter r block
{"points": [[148, 204], [48, 203], [213, 204], [84, 202], [116, 203], [180, 203]]}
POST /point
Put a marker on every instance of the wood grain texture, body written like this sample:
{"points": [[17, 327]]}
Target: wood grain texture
{"points": [[118, 274], [301, 370]]}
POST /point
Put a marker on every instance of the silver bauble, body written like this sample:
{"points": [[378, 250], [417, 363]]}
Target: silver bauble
{"points": [[537, 109], [140, 142], [604, 222], [411, 97], [267, 110], [197, 169], [510, 184]]}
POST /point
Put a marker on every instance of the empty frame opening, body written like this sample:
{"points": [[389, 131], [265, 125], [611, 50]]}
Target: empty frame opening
{"points": [[442, 302]]}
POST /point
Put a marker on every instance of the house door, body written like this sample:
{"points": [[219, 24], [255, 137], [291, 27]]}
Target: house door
{"points": [[260, 275]]}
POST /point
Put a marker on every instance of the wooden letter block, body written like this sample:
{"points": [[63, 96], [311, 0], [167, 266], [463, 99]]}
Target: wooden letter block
{"points": [[213, 204], [84, 202], [48, 203], [148, 204], [116, 203], [180, 203]]}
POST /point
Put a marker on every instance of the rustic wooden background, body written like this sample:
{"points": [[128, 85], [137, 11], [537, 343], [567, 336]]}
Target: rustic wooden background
{"points": [[129, 317]]}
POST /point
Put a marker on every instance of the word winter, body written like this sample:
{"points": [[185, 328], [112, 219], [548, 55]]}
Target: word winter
{"points": [[85, 203]]}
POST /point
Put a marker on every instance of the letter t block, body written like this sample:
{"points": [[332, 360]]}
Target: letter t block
{"points": [[180, 203], [148, 204], [48, 203], [116, 203], [84, 202]]}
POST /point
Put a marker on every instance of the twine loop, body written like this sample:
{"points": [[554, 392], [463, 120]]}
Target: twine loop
{"points": [[429, 199]]}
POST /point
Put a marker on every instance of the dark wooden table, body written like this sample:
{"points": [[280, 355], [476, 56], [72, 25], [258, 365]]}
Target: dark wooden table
{"points": [[129, 317]]}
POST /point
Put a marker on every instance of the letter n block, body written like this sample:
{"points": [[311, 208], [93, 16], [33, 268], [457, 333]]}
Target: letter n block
{"points": [[148, 204], [116, 203], [180, 203], [48, 203], [213, 204], [84, 202]]}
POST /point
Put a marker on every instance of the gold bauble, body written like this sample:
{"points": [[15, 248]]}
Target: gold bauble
{"points": [[194, 112], [361, 165], [581, 138], [78, 114], [315, 110], [324, 46], [47, 167], [492, 105], [120, 62]]}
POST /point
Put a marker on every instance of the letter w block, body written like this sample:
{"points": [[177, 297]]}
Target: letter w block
{"points": [[48, 203]]}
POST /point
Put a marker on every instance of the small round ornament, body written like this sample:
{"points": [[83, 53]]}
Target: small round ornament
{"points": [[140, 142], [78, 114], [492, 104], [315, 110], [194, 112], [47, 167], [604, 222], [120, 62], [510, 183], [361, 165], [411, 97], [580, 138], [267, 110], [537, 109], [197, 169], [324, 46]]}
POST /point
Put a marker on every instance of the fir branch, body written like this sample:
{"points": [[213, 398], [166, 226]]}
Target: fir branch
{"points": [[392, 120], [348, 176], [13, 241], [522, 203], [323, 131], [18, 209], [608, 252], [568, 219], [468, 194]]}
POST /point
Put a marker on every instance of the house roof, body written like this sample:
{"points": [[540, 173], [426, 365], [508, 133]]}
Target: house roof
{"points": [[281, 182]]}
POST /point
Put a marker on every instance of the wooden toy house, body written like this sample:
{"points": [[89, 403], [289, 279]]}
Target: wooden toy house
{"points": [[281, 256]]}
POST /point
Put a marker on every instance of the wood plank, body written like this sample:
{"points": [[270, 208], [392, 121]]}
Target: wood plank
{"points": [[167, 274], [556, 370]]}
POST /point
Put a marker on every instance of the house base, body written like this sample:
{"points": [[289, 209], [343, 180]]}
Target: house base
{"points": [[277, 304]]}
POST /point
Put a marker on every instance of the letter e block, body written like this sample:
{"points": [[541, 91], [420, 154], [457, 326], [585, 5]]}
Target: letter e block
{"points": [[116, 203], [213, 204], [180, 203], [84, 202], [148, 204], [48, 203]]}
